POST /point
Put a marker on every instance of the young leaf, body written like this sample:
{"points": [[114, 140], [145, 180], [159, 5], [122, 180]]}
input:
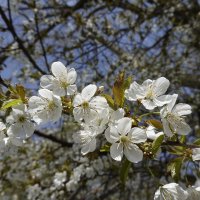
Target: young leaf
{"points": [[118, 90], [11, 103], [155, 123], [21, 92], [197, 142], [110, 100], [174, 167], [157, 143]]}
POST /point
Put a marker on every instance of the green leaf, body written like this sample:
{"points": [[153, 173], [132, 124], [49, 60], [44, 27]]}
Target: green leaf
{"points": [[197, 142], [127, 82], [176, 150], [155, 123], [174, 167], [157, 143], [110, 100], [11, 103], [118, 90], [182, 139], [21, 92], [124, 170]]}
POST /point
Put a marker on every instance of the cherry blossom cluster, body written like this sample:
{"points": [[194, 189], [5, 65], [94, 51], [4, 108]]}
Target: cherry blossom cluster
{"points": [[97, 119]]}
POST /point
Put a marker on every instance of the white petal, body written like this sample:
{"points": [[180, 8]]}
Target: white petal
{"points": [[29, 128], [111, 134], [58, 89], [148, 104], [89, 147], [134, 92], [161, 85], [137, 135], [98, 103], [133, 153], [47, 94], [35, 103], [147, 83], [196, 154], [46, 81], [116, 151], [71, 89], [162, 100], [71, 76], [2, 126], [166, 128], [118, 114], [88, 92], [172, 102], [78, 113], [59, 70], [124, 125], [182, 129], [182, 109], [77, 100]]}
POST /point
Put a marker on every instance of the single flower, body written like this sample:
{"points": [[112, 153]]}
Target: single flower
{"points": [[86, 105], [46, 107], [62, 81], [150, 93], [21, 125], [124, 140], [171, 191], [172, 117]]}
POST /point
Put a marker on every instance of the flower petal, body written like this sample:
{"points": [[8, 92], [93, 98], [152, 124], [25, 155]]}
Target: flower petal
{"points": [[172, 102], [166, 127], [148, 104], [162, 100], [124, 125], [137, 135], [111, 134], [71, 76], [182, 109], [77, 100], [46, 81], [47, 94], [89, 147], [196, 154], [116, 151], [98, 103], [133, 153], [88, 92], [161, 85], [59, 70], [71, 89], [2, 126]]}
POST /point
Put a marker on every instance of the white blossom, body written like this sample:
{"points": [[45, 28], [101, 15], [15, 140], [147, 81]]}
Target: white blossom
{"points": [[193, 193], [196, 154], [172, 117], [62, 81], [171, 191], [124, 140], [150, 93], [46, 107], [86, 106], [152, 133], [21, 125], [87, 139]]}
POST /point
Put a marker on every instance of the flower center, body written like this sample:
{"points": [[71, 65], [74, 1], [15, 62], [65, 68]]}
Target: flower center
{"points": [[174, 119], [21, 118], [51, 105], [64, 84], [85, 105], [150, 93], [124, 139]]}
